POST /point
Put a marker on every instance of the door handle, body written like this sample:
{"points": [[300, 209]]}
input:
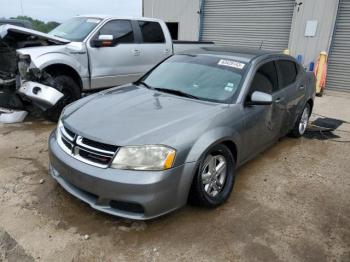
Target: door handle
{"points": [[166, 51], [136, 52], [301, 87]]}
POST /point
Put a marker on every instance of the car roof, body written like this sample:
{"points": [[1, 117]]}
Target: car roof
{"points": [[237, 53], [119, 17]]}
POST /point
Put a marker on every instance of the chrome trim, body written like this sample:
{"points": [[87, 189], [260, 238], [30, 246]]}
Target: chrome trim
{"points": [[80, 143], [61, 144], [90, 152], [63, 130], [86, 161]]}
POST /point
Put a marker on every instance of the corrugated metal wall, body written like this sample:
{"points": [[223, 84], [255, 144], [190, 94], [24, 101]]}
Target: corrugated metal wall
{"points": [[248, 23], [184, 12], [338, 76], [324, 11]]}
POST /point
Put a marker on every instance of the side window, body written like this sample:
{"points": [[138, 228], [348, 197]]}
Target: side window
{"points": [[265, 79], [120, 29], [288, 70], [151, 32]]}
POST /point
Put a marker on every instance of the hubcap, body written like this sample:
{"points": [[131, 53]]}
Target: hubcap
{"points": [[214, 174], [304, 121]]}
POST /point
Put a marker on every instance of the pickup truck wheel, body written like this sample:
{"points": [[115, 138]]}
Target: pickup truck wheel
{"points": [[71, 91], [302, 122], [213, 182]]}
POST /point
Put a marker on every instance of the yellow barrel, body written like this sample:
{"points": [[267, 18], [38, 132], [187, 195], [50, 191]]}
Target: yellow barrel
{"points": [[286, 51], [320, 68]]}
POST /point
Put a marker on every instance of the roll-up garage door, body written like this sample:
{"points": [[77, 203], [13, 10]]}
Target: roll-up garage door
{"points": [[338, 76], [248, 23]]}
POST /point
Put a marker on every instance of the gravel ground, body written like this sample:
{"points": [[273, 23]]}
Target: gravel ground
{"points": [[292, 203]]}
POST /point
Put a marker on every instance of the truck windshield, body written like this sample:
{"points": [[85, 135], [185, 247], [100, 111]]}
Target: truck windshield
{"points": [[75, 29], [203, 77]]}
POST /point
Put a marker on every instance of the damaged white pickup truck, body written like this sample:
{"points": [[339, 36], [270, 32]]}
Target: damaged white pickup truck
{"points": [[85, 53]]}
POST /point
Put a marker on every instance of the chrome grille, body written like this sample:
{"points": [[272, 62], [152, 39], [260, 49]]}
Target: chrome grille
{"points": [[86, 150]]}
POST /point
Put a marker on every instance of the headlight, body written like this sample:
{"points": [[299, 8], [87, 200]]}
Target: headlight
{"points": [[147, 157]]}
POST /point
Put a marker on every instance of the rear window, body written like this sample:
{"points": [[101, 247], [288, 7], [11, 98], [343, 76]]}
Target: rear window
{"points": [[288, 71], [151, 32]]}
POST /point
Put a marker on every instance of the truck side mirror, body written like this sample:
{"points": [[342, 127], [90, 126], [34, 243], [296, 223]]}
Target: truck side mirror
{"points": [[103, 41], [260, 98]]}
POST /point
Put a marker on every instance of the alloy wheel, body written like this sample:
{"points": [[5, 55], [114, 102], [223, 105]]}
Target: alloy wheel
{"points": [[214, 174]]}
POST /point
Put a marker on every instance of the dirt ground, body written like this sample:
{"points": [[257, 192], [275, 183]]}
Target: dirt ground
{"points": [[292, 203]]}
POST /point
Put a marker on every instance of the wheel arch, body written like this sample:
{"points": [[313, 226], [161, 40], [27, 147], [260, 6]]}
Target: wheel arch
{"points": [[63, 69]]}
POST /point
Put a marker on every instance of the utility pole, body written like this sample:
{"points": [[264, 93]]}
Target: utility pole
{"points": [[21, 5]]}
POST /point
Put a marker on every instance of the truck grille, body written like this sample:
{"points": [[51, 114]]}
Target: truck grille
{"points": [[84, 149]]}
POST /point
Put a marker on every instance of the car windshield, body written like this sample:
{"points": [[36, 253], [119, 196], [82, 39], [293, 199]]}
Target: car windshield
{"points": [[75, 29], [202, 77]]}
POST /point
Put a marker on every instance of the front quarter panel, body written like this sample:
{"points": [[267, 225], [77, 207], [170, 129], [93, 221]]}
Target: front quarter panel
{"points": [[226, 127], [71, 55]]}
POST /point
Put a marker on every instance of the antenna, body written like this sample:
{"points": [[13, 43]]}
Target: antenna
{"points": [[262, 41]]}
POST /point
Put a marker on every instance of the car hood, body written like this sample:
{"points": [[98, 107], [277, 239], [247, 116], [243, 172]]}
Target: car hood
{"points": [[136, 115], [12, 33]]}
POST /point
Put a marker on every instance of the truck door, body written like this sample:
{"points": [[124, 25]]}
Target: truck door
{"points": [[292, 89], [154, 46], [263, 122], [117, 62]]}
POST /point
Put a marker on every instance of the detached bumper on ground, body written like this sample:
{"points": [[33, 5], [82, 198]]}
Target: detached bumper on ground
{"points": [[137, 195]]}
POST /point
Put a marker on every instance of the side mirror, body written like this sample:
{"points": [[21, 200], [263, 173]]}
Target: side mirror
{"points": [[103, 41], [260, 98]]}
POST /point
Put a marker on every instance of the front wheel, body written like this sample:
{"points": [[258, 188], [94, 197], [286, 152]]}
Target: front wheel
{"points": [[302, 122], [71, 92], [215, 177]]}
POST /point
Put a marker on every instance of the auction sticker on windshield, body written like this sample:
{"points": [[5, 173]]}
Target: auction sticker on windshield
{"points": [[231, 63], [93, 20]]}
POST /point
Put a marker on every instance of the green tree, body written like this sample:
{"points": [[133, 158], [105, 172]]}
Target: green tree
{"points": [[38, 24]]}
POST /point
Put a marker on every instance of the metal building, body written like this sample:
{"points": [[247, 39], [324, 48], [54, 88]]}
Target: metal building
{"points": [[338, 76], [181, 16], [252, 23], [306, 27]]}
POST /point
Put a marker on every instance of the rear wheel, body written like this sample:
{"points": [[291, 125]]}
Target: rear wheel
{"points": [[215, 177], [302, 122], [71, 92]]}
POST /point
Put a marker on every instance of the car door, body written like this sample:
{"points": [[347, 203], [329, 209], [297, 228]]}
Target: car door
{"points": [[262, 122], [153, 45], [291, 91], [117, 63]]}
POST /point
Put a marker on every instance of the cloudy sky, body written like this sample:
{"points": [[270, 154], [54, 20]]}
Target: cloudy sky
{"points": [[60, 10]]}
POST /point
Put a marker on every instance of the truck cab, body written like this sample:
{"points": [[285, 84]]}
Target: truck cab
{"points": [[87, 53]]}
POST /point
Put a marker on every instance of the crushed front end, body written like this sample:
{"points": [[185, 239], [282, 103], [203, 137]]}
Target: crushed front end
{"points": [[21, 83]]}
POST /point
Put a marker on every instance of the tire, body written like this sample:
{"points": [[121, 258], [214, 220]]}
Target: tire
{"points": [[200, 193], [300, 125], [71, 91]]}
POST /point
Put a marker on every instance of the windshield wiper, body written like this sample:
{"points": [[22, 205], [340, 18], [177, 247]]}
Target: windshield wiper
{"points": [[144, 84], [176, 92]]}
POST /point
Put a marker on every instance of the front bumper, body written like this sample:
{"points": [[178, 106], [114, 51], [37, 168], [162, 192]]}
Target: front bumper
{"points": [[42, 95], [137, 195]]}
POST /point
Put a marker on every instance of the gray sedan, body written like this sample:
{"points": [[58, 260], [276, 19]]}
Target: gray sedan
{"points": [[179, 133]]}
